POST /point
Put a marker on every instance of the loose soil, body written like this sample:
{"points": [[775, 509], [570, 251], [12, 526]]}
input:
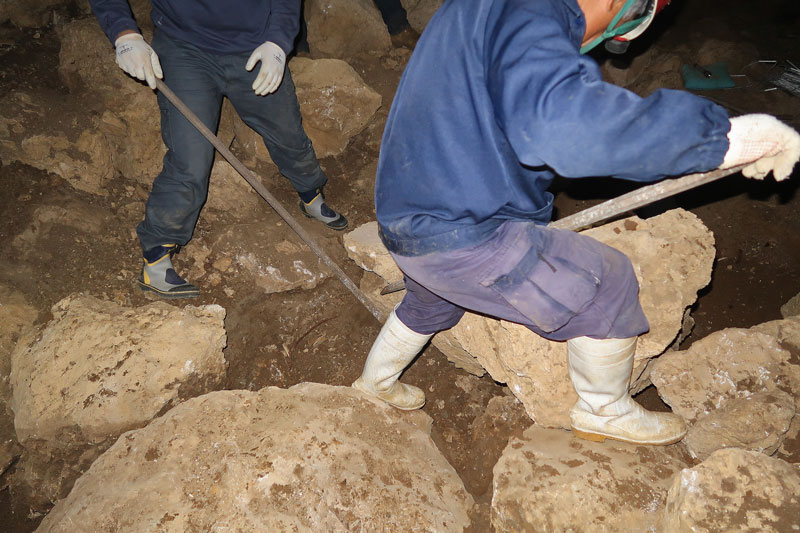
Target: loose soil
{"points": [[323, 334]]}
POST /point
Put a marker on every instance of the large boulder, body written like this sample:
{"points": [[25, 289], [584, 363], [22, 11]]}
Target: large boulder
{"points": [[98, 369], [419, 12], [313, 457], [672, 255], [16, 316], [345, 28], [82, 157], [550, 481], [736, 387], [127, 111], [735, 490]]}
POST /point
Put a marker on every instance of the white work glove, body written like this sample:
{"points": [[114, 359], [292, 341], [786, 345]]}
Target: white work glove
{"points": [[135, 57], [273, 60], [765, 142]]}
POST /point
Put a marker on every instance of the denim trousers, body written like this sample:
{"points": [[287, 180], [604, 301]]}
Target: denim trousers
{"points": [[201, 80], [558, 283]]}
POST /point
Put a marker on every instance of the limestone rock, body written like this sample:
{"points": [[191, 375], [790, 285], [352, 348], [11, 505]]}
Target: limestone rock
{"points": [[364, 246], [345, 28], [266, 254], [228, 191], [728, 364], [312, 457], [98, 369], [335, 102], [707, 384], [130, 120], [550, 481], [791, 308], [419, 12], [758, 422], [16, 316], [82, 158], [735, 490], [672, 255]]}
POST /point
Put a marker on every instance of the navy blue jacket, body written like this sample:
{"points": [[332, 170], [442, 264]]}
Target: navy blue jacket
{"points": [[496, 99], [215, 26]]}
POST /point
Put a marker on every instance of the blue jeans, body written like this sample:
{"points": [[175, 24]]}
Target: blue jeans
{"points": [[200, 80], [558, 283]]}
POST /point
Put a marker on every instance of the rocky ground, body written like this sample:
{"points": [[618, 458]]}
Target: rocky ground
{"points": [[67, 230]]}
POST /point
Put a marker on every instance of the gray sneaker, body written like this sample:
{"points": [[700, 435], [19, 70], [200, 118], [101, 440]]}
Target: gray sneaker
{"points": [[159, 276], [319, 210]]}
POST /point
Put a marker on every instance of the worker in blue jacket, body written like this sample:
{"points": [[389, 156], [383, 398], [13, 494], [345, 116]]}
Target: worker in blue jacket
{"points": [[207, 50], [496, 100]]}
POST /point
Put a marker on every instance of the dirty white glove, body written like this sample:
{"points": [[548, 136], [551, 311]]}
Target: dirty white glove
{"points": [[135, 57], [765, 142], [273, 60]]}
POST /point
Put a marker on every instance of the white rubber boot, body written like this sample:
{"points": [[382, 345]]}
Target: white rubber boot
{"points": [[601, 374], [395, 347]]}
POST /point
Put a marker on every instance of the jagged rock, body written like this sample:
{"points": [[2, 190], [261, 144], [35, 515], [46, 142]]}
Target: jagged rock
{"points": [[130, 121], [672, 255], [228, 191], [74, 214], [549, 480], [335, 102], [734, 364], [312, 457], [364, 246], [266, 254], [419, 12], [16, 315], [758, 422], [735, 490], [98, 369], [791, 308], [345, 28], [82, 158]]}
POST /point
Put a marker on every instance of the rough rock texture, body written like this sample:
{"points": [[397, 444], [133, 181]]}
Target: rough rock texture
{"points": [[550, 481], [16, 315], [419, 12], [228, 190], [345, 28], [759, 422], [98, 369], [735, 490], [672, 255], [364, 246], [791, 308], [313, 457], [129, 119], [335, 102], [735, 364], [82, 158], [266, 254]]}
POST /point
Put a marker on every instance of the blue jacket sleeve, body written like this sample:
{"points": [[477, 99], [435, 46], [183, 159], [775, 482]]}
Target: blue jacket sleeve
{"points": [[114, 17], [284, 22], [557, 111]]}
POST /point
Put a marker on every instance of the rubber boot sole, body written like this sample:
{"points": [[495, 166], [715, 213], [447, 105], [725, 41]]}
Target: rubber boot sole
{"points": [[171, 295], [358, 386], [602, 437]]}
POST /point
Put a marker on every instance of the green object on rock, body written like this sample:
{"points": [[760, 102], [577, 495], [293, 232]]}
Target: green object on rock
{"points": [[699, 78]]}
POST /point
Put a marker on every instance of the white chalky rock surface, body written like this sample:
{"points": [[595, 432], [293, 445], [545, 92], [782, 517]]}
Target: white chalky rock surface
{"points": [[735, 490], [549, 480], [309, 458], [672, 255], [98, 369], [716, 374]]}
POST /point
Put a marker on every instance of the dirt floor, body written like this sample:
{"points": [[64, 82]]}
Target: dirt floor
{"points": [[323, 334]]}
